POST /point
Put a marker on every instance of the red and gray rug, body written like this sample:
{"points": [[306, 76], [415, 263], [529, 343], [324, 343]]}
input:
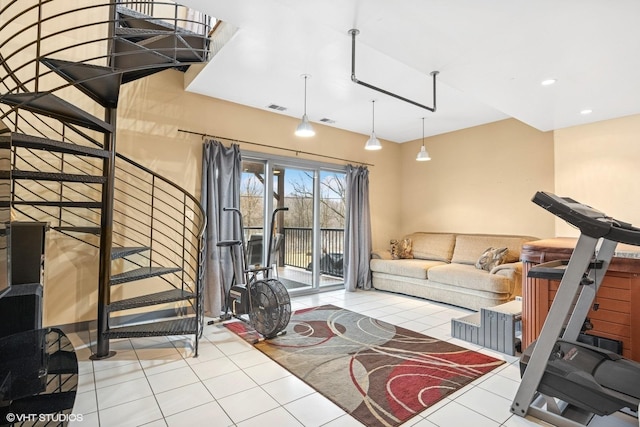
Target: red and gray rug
{"points": [[381, 374]]}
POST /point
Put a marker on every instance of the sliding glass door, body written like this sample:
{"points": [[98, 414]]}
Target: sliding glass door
{"points": [[295, 187], [307, 239]]}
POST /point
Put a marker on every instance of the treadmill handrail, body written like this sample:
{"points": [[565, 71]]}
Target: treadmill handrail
{"points": [[590, 221]]}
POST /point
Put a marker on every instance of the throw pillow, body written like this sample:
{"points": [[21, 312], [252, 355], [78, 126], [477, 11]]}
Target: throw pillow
{"points": [[401, 249], [492, 257]]}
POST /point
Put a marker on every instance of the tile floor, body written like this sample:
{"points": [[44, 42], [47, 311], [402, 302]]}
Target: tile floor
{"points": [[155, 381]]}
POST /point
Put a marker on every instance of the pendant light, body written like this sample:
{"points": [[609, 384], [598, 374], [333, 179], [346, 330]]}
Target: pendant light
{"points": [[373, 143], [304, 129], [423, 155]]}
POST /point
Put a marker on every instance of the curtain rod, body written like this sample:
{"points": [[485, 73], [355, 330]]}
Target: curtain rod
{"points": [[273, 146]]}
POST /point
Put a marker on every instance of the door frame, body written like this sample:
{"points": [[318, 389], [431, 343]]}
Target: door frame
{"points": [[271, 160]]}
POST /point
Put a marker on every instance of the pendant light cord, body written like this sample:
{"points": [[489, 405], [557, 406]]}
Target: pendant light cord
{"points": [[373, 115], [305, 95]]}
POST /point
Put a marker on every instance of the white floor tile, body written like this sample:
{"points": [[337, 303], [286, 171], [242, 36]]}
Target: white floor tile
{"points": [[182, 398], [421, 423], [266, 372], [235, 346], [249, 358], [345, 420], [209, 414], [118, 374], [454, 414], [121, 358], [247, 404], [172, 379], [85, 403], [157, 423], [136, 413], [85, 420], [288, 389], [157, 366], [276, 417], [228, 384], [206, 351], [117, 394], [501, 386], [314, 410], [486, 403], [165, 351], [213, 368]]}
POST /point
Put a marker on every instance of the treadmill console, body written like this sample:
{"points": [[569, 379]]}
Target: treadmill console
{"points": [[590, 221]]}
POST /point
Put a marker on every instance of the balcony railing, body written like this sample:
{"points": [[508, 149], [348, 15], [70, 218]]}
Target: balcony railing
{"points": [[297, 247]]}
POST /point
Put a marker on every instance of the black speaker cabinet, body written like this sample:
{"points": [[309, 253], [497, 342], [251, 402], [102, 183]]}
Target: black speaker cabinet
{"points": [[21, 309], [27, 251]]}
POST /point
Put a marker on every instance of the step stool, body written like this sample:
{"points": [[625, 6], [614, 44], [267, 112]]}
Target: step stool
{"points": [[494, 327]]}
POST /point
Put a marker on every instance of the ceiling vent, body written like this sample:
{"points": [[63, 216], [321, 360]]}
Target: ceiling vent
{"points": [[276, 107], [326, 120]]}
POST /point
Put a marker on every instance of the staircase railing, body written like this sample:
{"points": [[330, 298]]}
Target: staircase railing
{"points": [[149, 210]]}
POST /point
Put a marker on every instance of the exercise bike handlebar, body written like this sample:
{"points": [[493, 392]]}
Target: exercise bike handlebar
{"points": [[242, 242], [590, 221], [273, 221]]}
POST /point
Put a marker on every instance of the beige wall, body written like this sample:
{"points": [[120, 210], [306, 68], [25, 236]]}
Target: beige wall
{"points": [[597, 164], [480, 180], [153, 109]]}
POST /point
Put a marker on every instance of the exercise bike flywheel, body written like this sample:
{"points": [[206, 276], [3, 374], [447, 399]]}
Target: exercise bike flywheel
{"points": [[270, 307]]}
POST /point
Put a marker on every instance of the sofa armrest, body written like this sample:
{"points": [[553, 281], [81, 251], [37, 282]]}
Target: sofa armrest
{"points": [[381, 254], [513, 271], [507, 268]]}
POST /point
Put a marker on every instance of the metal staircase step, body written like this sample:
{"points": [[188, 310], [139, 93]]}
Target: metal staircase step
{"points": [[141, 273], [130, 18], [72, 229], [175, 46], [65, 204], [52, 106], [102, 84], [38, 143], [135, 60], [54, 176], [121, 252], [164, 297], [182, 326]]}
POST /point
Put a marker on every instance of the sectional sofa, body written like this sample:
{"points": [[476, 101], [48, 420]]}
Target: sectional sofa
{"points": [[447, 267]]}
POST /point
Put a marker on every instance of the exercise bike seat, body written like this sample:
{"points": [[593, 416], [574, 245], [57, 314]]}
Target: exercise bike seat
{"points": [[227, 243]]}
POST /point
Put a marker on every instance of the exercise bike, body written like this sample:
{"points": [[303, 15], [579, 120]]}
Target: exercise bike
{"points": [[255, 297]]}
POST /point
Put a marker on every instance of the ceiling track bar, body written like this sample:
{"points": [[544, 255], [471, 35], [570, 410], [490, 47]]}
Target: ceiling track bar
{"points": [[354, 79], [206, 135]]}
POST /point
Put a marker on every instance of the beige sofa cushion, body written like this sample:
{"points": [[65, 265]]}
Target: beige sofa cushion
{"points": [[433, 246], [416, 268], [469, 247], [468, 276]]}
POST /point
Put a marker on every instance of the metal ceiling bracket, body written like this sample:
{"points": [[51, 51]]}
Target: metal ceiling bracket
{"points": [[354, 32]]}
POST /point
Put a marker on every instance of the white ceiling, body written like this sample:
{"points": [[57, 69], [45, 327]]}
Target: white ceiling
{"points": [[492, 56]]}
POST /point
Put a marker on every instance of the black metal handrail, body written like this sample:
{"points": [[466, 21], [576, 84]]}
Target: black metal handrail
{"points": [[178, 242]]}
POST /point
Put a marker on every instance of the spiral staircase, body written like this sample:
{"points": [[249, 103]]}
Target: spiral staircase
{"points": [[62, 67]]}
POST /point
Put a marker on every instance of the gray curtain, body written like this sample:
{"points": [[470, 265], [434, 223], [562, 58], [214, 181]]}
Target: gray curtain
{"points": [[221, 174], [357, 236]]}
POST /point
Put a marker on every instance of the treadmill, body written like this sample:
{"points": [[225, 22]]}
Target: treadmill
{"points": [[566, 382]]}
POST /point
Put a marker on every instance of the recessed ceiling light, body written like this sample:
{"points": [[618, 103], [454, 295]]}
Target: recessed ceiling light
{"points": [[548, 82], [586, 111]]}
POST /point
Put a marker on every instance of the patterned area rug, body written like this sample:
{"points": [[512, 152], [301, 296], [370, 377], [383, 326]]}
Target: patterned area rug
{"points": [[381, 374]]}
